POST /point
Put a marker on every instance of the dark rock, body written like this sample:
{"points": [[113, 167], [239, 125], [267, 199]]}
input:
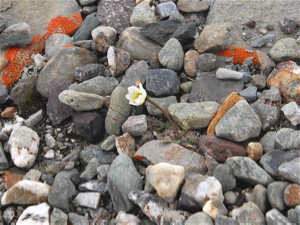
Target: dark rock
{"points": [[186, 33], [273, 160], [287, 26], [162, 82], [208, 88], [220, 149], [115, 14], [160, 31], [58, 71], [223, 173], [3, 24], [251, 24], [57, 111], [88, 71], [84, 32], [3, 160], [94, 151], [103, 37], [3, 94]]}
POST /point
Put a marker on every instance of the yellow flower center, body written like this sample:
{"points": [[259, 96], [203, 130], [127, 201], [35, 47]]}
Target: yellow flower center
{"points": [[135, 95]]}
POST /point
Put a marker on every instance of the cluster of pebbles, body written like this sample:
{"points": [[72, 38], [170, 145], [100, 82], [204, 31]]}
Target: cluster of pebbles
{"points": [[86, 156]]}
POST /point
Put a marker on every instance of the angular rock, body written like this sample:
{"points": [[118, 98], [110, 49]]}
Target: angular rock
{"points": [[241, 166], [103, 37], [58, 71], [291, 170], [91, 170], [26, 192], [84, 32], [123, 178], [171, 55], [162, 102], [138, 46], [142, 14], [118, 60], [249, 213], [115, 14], [275, 194], [88, 71], [124, 218], [285, 49], [224, 174], [232, 127], [58, 217], [34, 119], [3, 94], [186, 33], [291, 195], [135, 125], [50, 141], [55, 42], [35, 214], [94, 151], [193, 115], [292, 112], [118, 111], [125, 144], [102, 172], [73, 218], [215, 207], [259, 81], [87, 199], [166, 9], [162, 82], [192, 6], [226, 74], [262, 41], [249, 94], [166, 179], [95, 186], [109, 143], [287, 138]]}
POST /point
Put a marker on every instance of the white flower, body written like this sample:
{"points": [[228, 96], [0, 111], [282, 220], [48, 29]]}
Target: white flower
{"points": [[136, 96]]}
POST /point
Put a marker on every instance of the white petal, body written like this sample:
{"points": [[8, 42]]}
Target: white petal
{"points": [[131, 89]]}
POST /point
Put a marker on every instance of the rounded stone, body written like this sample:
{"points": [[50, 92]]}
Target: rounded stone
{"points": [[224, 74], [254, 150], [207, 62], [291, 195], [190, 62], [223, 173], [261, 198], [142, 14], [200, 216], [230, 197], [275, 192], [285, 49]]}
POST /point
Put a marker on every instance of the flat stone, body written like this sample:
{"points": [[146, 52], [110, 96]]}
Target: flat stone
{"points": [[26, 192], [292, 112], [290, 170], [34, 119], [166, 9], [142, 14], [94, 186], [224, 174], [89, 23], [35, 214], [55, 42], [200, 216], [249, 94], [287, 138], [192, 116], [118, 60], [192, 6], [87, 199], [58, 217], [135, 125], [115, 14], [235, 129], [285, 49], [241, 166], [275, 194], [138, 46], [262, 41], [123, 178], [225, 74], [57, 71], [259, 81], [88, 71], [162, 102], [291, 195], [208, 88]]}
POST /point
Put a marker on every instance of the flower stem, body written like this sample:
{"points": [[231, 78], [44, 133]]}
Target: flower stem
{"points": [[164, 112]]}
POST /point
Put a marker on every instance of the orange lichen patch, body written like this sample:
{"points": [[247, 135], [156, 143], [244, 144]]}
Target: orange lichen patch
{"points": [[239, 53], [138, 157], [227, 104], [49, 60], [19, 57], [68, 46], [13, 176]]}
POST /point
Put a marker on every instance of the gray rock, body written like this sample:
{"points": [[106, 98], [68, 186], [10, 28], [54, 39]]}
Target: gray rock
{"points": [[89, 71], [55, 42], [292, 112], [3, 160], [158, 151], [94, 151], [142, 14], [275, 194], [224, 74], [261, 198], [72, 175], [87, 44], [81, 101], [294, 215], [33, 175], [84, 31], [192, 116], [87, 199], [171, 55], [287, 138], [94, 185], [186, 33], [241, 167], [58, 217], [214, 37], [134, 73], [86, 2], [192, 6], [249, 213], [16, 35], [109, 143], [285, 49], [207, 62], [160, 31], [118, 111], [224, 174], [57, 71], [291, 170], [77, 219], [97, 85], [208, 88], [50, 141], [115, 14], [123, 178], [162, 102], [100, 215], [162, 82], [57, 111], [268, 141], [249, 94], [200, 216], [3, 25], [103, 37], [3, 94], [135, 125], [89, 9], [102, 172], [91, 170], [230, 198], [224, 220], [166, 9], [262, 41], [3, 137], [239, 123], [259, 81], [138, 46], [275, 217]]}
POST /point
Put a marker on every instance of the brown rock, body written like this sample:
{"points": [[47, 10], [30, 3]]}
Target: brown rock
{"points": [[8, 112], [291, 195], [125, 144], [118, 60], [230, 101], [266, 63], [190, 62], [286, 77], [220, 149], [287, 26], [13, 176], [254, 150]]}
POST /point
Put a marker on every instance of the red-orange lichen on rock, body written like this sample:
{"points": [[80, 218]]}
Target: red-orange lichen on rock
{"points": [[19, 57], [68, 46], [239, 53]]}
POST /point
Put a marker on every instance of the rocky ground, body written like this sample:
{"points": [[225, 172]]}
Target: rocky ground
{"points": [[74, 151]]}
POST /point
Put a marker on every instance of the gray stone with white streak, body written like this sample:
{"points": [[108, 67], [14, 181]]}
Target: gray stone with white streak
{"points": [[287, 138], [275, 217], [224, 74], [292, 112]]}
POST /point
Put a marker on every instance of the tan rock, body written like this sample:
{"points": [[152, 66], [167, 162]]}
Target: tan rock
{"points": [[125, 144], [8, 112], [227, 104], [190, 62], [254, 150], [166, 179]]}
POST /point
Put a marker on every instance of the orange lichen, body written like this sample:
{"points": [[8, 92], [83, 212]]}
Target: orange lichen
{"points": [[239, 53], [49, 60], [19, 57], [68, 46], [138, 157]]}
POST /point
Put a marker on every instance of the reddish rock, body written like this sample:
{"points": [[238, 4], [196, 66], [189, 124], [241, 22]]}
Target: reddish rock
{"points": [[287, 26], [13, 176], [125, 144], [292, 195], [118, 60], [8, 112], [254, 150], [190, 62], [286, 77], [220, 149], [266, 63]]}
